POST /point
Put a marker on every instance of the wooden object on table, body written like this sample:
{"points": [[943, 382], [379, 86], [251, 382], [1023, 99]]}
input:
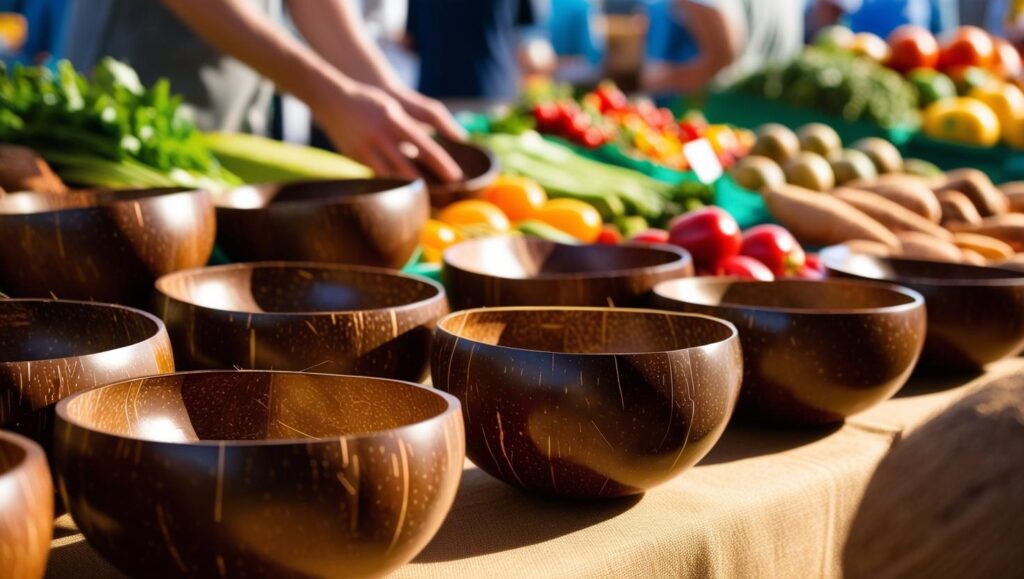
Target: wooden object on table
{"points": [[26, 508]]}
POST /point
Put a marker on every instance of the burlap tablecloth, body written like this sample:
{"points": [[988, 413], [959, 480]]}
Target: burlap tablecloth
{"points": [[764, 503]]}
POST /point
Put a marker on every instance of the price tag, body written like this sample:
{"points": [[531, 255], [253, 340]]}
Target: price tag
{"points": [[703, 160]]}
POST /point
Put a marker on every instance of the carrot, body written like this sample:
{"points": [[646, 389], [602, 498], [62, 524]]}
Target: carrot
{"points": [[916, 245], [889, 213], [987, 199], [957, 209], [1008, 228], [821, 219], [988, 247], [910, 193]]}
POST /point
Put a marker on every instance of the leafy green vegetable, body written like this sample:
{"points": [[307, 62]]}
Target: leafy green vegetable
{"points": [[110, 131]]}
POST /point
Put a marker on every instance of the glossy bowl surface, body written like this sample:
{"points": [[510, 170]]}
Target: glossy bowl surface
{"points": [[479, 169], [588, 402], [374, 222], [302, 316], [975, 313], [26, 508], [105, 246], [524, 271], [814, 352], [252, 473]]}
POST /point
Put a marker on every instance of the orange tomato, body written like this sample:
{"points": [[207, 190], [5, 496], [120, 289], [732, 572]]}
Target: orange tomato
{"points": [[520, 198], [474, 212], [572, 216], [435, 237]]}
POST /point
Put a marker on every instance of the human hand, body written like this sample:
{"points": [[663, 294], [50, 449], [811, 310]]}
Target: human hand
{"points": [[429, 111]]}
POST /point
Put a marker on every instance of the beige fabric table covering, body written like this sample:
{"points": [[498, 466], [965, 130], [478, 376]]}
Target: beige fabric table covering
{"points": [[764, 503]]}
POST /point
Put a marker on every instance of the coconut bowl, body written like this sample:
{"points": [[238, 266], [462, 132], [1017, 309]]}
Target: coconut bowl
{"points": [[26, 508], [302, 316], [479, 169], [588, 402], [814, 352], [374, 222], [523, 271], [104, 246], [975, 313], [259, 474]]}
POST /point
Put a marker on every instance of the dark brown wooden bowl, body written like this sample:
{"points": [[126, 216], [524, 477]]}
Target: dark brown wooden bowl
{"points": [[259, 474], [975, 313], [524, 271], [479, 169], [588, 402], [26, 508], [102, 246], [302, 316], [373, 222], [814, 352]]}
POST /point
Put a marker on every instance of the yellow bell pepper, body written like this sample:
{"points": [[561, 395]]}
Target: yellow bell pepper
{"points": [[963, 120], [1005, 100]]}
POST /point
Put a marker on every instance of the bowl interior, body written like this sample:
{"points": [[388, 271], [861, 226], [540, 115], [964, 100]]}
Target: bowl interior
{"points": [[526, 258], [785, 295], [32, 330], [586, 330], [294, 288], [894, 269], [477, 166], [251, 406], [338, 190]]}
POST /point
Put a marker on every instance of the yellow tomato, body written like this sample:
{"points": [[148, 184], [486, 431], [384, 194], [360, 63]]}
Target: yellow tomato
{"points": [[435, 237], [1005, 100], [475, 212], [962, 119], [572, 216], [722, 138], [520, 198]]}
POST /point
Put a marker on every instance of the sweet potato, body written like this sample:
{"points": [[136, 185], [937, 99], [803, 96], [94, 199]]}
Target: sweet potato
{"points": [[21, 169], [889, 213], [909, 193], [1008, 228], [821, 219], [868, 247], [957, 209], [988, 247], [1014, 191], [976, 185], [971, 257], [916, 245], [1016, 262]]}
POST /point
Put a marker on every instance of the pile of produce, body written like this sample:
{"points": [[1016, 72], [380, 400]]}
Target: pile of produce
{"points": [[107, 131], [872, 199], [638, 128]]}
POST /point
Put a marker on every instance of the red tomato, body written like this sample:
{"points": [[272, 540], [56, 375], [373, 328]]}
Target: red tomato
{"points": [[744, 267], [812, 268], [653, 235], [609, 236], [611, 98], [710, 235], [593, 138], [775, 247], [969, 46], [912, 47], [547, 115], [1007, 61], [689, 131]]}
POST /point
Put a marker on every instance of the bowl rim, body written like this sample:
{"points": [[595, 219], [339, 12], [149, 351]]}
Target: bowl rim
{"points": [[453, 407], [160, 329], [916, 299], [413, 185], [441, 295], [682, 259], [33, 454], [831, 255], [472, 183], [101, 199], [733, 332]]}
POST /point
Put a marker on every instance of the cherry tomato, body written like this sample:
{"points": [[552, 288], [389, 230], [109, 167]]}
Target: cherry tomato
{"points": [[775, 247], [744, 267], [609, 236], [710, 235], [435, 237], [572, 216], [689, 131], [518, 197], [969, 46], [1007, 61], [475, 212], [912, 47], [546, 115], [652, 235], [593, 138], [611, 98]]}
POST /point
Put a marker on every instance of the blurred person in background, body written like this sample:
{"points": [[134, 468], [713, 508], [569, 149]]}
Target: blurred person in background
{"points": [[881, 17], [695, 43], [43, 22], [572, 28], [226, 56]]}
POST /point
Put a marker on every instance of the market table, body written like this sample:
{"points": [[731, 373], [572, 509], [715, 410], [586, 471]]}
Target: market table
{"points": [[763, 503]]}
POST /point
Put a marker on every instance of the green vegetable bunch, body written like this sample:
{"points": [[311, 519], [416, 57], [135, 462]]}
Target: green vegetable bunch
{"points": [[839, 83], [109, 131]]}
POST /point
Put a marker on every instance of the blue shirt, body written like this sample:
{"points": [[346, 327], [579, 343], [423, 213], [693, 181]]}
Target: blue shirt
{"points": [[569, 29], [668, 40], [881, 17]]}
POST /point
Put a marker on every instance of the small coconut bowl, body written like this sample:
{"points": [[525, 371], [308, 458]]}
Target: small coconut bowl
{"points": [[588, 402], [302, 316], [975, 313], [259, 474], [26, 508], [107, 246], [479, 169], [373, 222], [814, 352], [523, 271]]}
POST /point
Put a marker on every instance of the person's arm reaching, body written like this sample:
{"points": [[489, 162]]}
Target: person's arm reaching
{"points": [[718, 45], [333, 29], [361, 120]]}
